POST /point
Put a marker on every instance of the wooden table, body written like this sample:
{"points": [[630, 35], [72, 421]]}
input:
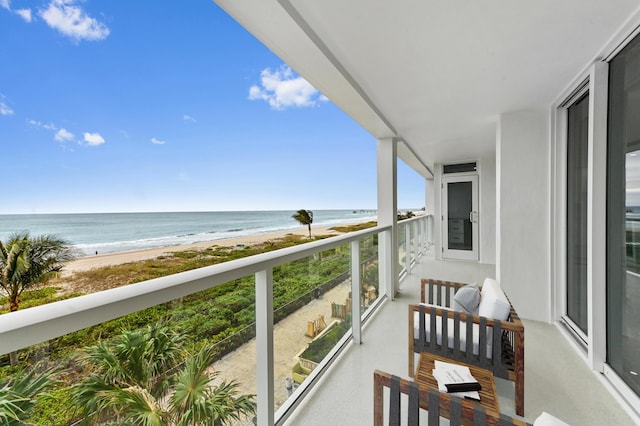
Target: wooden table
{"points": [[488, 394]]}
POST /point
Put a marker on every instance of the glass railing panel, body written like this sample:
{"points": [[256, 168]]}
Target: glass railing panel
{"points": [[220, 319], [153, 355], [401, 246], [411, 245], [370, 277], [312, 311]]}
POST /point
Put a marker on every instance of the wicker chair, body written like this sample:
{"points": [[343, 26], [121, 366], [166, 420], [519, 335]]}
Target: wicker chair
{"points": [[504, 338], [436, 404]]}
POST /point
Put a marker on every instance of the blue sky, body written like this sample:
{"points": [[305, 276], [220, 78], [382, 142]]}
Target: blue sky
{"points": [[111, 106]]}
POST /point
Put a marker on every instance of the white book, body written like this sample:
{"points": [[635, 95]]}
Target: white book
{"points": [[446, 373]]}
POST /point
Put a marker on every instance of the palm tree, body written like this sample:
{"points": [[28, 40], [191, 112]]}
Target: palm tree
{"points": [[139, 379], [18, 396], [305, 217], [26, 262]]}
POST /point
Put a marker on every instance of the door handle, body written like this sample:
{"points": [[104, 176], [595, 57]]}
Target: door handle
{"points": [[473, 217]]}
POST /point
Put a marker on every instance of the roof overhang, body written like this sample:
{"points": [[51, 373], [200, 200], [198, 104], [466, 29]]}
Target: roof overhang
{"points": [[436, 75]]}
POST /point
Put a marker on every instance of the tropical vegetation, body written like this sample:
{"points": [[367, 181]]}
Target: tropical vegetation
{"points": [[27, 261], [146, 377], [304, 217], [217, 320], [19, 394]]}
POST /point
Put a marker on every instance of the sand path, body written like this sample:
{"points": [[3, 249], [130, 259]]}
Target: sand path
{"points": [[288, 340]]}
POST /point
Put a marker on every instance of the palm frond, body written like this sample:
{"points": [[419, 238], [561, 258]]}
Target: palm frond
{"points": [[189, 400], [136, 406], [18, 396]]}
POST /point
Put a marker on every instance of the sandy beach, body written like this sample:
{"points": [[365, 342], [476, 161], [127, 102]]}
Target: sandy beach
{"points": [[102, 260]]}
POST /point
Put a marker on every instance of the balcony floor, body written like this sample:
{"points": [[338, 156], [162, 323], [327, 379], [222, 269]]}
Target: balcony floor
{"points": [[557, 380]]}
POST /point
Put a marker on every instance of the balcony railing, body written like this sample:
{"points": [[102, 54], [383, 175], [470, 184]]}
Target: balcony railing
{"points": [[34, 326]]}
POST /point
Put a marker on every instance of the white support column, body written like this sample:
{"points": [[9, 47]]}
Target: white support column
{"points": [[355, 292], [387, 211], [264, 347], [597, 216]]}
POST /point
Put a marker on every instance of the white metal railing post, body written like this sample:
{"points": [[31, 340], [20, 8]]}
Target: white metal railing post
{"points": [[407, 247], [418, 238], [356, 268], [414, 240], [423, 240], [422, 229], [264, 347], [418, 227]]}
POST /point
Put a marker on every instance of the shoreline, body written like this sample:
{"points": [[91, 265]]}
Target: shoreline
{"points": [[109, 259]]}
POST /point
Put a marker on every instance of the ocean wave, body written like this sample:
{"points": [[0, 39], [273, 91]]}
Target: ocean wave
{"points": [[168, 241], [121, 233]]}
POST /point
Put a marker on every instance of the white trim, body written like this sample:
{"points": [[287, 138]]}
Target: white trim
{"points": [[620, 391], [356, 272], [627, 31], [596, 74], [264, 347], [558, 228], [473, 254], [572, 328], [597, 216], [627, 398], [596, 85], [437, 211]]}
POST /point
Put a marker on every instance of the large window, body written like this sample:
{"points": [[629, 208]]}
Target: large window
{"points": [[623, 216], [577, 169]]}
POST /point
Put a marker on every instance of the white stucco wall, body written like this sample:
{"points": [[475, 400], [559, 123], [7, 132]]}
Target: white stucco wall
{"points": [[488, 209], [522, 211]]}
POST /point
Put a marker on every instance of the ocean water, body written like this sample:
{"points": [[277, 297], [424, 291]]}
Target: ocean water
{"points": [[118, 232]]}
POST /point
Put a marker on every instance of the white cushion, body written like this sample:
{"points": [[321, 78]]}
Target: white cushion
{"points": [[467, 299], [490, 283], [463, 333], [546, 419], [493, 303]]}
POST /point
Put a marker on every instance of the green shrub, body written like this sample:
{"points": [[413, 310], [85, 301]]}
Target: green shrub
{"points": [[320, 347], [54, 409]]}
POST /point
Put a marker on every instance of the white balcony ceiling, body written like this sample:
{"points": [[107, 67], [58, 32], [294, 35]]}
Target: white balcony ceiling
{"points": [[436, 74]]}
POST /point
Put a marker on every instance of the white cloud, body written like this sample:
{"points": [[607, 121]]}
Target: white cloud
{"points": [[72, 21], [24, 14], [93, 139], [282, 88], [4, 108], [157, 141], [37, 123], [188, 118], [63, 135]]}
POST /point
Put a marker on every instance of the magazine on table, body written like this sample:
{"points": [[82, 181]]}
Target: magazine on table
{"points": [[456, 380]]}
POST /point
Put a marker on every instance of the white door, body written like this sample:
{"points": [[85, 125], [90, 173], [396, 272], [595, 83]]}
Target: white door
{"points": [[460, 217]]}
